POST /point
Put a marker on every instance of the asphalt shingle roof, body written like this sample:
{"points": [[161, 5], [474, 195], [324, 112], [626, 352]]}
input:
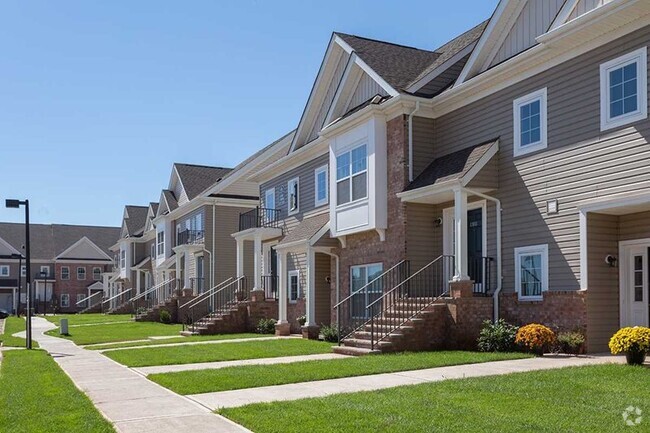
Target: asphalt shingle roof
{"points": [[306, 229], [171, 199], [197, 178], [137, 219]]}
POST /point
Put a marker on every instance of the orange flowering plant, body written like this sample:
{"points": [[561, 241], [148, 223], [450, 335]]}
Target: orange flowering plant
{"points": [[535, 337]]}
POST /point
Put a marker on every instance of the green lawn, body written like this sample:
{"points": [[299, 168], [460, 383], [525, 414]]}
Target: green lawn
{"points": [[217, 352], [117, 332], [180, 339], [251, 376], [12, 325], [577, 399], [36, 396], [90, 318]]}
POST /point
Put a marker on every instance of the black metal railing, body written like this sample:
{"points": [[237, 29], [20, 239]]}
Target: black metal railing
{"points": [[480, 270], [351, 313], [197, 284], [90, 302], [270, 284], [215, 302], [153, 296], [190, 237], [408, 298], [259, 217]]}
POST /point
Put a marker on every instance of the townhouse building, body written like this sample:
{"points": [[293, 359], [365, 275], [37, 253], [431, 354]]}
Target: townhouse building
{"points": [[69, 264], [503, 174]]}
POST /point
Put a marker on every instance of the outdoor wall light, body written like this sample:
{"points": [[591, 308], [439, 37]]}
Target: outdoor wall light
{"points": [[611, 260], [437, 222]]}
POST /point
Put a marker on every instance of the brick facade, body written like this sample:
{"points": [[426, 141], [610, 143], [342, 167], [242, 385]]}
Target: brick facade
{"points": [[73, 286]]}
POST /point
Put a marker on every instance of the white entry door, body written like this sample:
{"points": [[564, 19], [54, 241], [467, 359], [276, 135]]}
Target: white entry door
{"points": [[635, 287]]}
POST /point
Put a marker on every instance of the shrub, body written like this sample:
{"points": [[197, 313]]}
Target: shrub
{"points": [[497, 337], [535, 338], [302, 320], [330, 333], [140, 311], [635, 339], [266, 326], [165, 317], [570, 342]]}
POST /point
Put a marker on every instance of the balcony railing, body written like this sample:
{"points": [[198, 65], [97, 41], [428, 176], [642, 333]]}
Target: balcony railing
{"points": [[190, 237], [259, 217]]}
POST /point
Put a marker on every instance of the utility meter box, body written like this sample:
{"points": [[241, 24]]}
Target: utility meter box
{"points": [[63, 327]]}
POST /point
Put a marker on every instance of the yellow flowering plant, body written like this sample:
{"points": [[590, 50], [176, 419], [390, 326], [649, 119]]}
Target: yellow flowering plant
{"points": [[629, 339], [535, 337]]}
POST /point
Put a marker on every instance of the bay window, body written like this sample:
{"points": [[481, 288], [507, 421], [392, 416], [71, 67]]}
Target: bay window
{"points": [[352, 175]]}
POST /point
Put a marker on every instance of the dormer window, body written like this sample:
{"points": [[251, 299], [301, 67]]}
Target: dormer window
{"points": [[352, 175], [292, 196]]}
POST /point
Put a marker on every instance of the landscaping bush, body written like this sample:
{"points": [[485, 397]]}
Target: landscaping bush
{"points": [[266, 326], [302, 320], [570, 342], [140, 310], [634, 342], [497, 337], [535, 338], [165, 317], [330, 333]]}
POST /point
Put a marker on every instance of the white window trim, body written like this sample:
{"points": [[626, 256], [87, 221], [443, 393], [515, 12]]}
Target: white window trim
{"points": [[319, 170], [289, 275], [62, 268], [641, 57], [46, 269], [23, 270], [85, 276], [349, 150], [160, 244], [540, 95], [100, 273], [297, 209], [2, 268], [267, 193], [65, 300], [533, 249]]}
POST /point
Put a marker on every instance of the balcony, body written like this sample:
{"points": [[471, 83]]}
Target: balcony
{"points": [[190, 237], [259, 218]]}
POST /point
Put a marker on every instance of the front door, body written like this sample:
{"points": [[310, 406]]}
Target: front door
{"points": [[635, 287], [475, 245]]}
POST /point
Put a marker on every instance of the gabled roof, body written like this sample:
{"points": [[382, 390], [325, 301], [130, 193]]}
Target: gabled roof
{"points": [[399, 65], [84, 248], [168, 202], [305, 230], [135, 219], [197, 178]]}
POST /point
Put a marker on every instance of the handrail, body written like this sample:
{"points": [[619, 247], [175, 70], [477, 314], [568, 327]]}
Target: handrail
{"points": [[356, 292], [117, 296], [87, 298], [221, 296], [205, 294], [150, 289], [216, 292]]}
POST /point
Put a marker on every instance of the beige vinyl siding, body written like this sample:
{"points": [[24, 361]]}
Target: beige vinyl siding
{"points": [[224, 248], [580, 163], [423, 236], [634, 226], [423, 152], [306, 185], [445, 78], [366, 89], [535, 19]]}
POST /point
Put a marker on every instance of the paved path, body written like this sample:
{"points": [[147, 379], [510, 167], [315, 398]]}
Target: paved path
{"points": [[321, 388], [190, 343], [222, 364], [130, 401]]}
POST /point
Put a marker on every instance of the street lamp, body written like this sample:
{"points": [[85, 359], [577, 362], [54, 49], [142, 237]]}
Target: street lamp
{"points": [[20, 286], [12, 203]]}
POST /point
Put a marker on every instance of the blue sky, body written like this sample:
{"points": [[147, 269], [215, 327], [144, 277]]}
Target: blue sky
{"points": [[98, 99]]}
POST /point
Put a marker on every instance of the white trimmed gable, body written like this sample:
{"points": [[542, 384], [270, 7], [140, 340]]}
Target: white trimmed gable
{"points": [[163, 206], [148, 225], [573, 9], [176, 186], [84, 248], [6, 249]]}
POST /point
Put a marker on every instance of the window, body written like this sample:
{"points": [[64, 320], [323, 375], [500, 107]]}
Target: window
{"points": [[122, 259], [4, 271], [624, 90], [81, 297], [531, 267], [292, 196], [65, 300], [294, 286], [161, 243], [269, 203], [530, 123], [97, 274], [65, 273], [152, 250], [320, 188], [81, 273], [23, 271], [44, 271], [359, 277], [352, 175]]}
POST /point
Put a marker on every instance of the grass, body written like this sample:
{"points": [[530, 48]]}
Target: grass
{"points": [[117, 332], [89, 318], [180, 339], [217, 352], [37, 396], [576, 399], [251, 376], [12, 325]]}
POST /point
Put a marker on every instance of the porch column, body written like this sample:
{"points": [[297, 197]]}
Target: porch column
{"points": [[179, 272], [137, 281], [258, 262], [282, 327], [311, 287], [240, 257], [460, 226]]}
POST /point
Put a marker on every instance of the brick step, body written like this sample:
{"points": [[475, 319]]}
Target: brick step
{"points": [[354, 351], [365, 335], [386, 327]]}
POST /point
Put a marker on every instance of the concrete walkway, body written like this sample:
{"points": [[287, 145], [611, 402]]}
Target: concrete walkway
{"points": [[127, 399], [222, 364], [190, 343], [215, 400]]}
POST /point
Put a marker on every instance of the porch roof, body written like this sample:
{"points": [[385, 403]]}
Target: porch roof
{"points": [[142, 264], [308, 229], [455, 169]]}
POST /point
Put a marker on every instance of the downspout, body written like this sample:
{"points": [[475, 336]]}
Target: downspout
{"points": [[417, 108], [497, 291]]}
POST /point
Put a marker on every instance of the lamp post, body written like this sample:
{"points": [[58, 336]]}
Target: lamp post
{"points": [[12, 203], [20, 274]]}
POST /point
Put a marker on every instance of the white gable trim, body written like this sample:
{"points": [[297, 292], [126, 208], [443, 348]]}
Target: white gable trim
{"points": [[441, 68], [162, 204], [9, 247], [564, 14], [79, 242], [349, 74]]}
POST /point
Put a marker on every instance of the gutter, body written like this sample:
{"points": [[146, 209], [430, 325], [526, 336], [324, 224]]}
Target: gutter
{"points": [[415, 110]]}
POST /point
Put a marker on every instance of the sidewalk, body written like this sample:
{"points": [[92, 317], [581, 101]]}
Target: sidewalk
{"points": [[322, 388], [127, 399], [192, 343]]}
